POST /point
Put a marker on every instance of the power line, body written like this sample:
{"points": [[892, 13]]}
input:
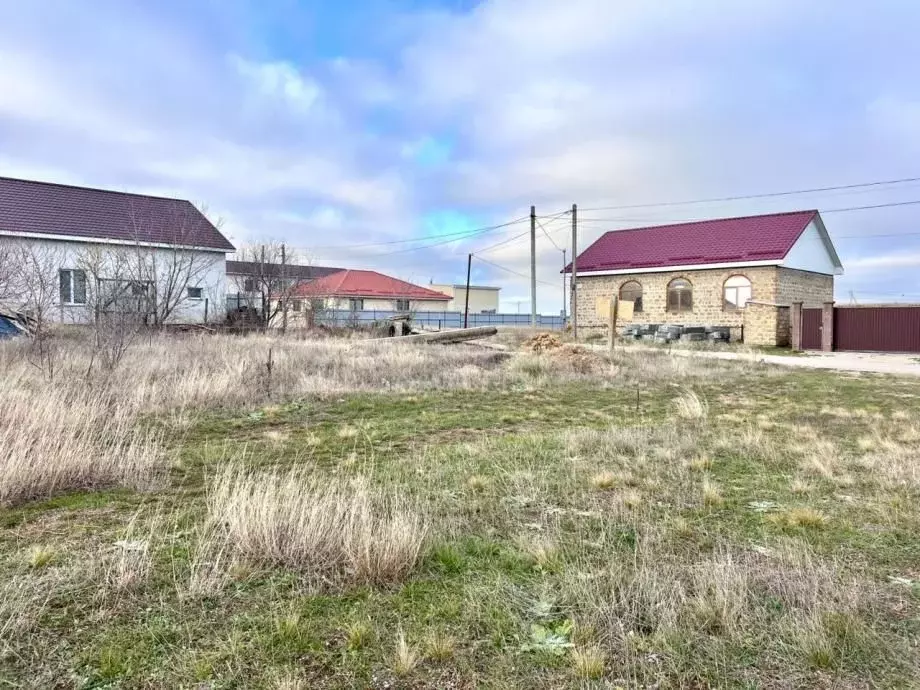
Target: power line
{"points": [[511, 270], [523, 234], [890, 204], [463, 233], [548, 236], [767, 195]]}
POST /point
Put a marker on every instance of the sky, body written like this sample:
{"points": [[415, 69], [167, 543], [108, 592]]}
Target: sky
{"points": [[346, 128]]}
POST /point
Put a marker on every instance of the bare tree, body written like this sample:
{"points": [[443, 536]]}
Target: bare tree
{"points": [[118, 307], [178, 267], [269, 285], [7, 268], [36, 289]]}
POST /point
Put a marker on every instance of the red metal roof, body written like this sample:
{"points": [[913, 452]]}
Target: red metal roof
{"points": [[46, 208], [357, 283], [725, 240]]}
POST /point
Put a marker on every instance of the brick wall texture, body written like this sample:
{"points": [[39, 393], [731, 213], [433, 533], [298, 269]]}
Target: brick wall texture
{"points": [[764, 324]]}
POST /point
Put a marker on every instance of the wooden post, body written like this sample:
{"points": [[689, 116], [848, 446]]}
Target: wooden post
{"points": [[284, 289], [612, 334]]}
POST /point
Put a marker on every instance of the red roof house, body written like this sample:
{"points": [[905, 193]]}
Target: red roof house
{"points": [[747, 240], [743, 274], [369, 285]]}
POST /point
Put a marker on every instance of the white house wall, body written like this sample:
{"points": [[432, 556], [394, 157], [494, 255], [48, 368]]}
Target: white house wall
{"points": [[211, 278], [481, 299], [809, 253]]}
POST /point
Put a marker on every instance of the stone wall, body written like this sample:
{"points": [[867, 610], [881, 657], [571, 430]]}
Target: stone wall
{"points": [[814, 289], [764, 324], [707, 296]]}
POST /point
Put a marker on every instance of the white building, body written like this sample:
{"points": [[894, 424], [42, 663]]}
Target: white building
{"points": [[483, 299], [70, 253]]}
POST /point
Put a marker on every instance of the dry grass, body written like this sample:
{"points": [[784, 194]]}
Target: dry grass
{"points": [[59, 439], [439, 646], [405, 658], [691, 406], [588, 662], [333, 532]]}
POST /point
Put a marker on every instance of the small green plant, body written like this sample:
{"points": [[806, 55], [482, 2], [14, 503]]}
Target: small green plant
{"points": [[439, 646], [358, 635], [552, 637]]}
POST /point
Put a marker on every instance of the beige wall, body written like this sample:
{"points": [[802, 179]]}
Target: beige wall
{"points": [[814, 289], [764, 324], [480, 299]]}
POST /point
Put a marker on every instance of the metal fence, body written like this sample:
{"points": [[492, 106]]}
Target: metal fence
{"points": [[434, 319]]}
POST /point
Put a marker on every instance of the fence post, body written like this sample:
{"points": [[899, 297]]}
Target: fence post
{"points": [[827, 327], [795, 326]]}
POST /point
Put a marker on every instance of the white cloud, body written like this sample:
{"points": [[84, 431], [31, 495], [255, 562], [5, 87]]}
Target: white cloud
{"points": [[279, 80]]}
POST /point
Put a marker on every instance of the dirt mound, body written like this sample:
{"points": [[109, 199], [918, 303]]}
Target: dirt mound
{"points": [[542, 342], [578, 358]]}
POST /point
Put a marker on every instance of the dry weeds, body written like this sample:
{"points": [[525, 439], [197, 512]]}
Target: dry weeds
{"points": [[334, 533]]}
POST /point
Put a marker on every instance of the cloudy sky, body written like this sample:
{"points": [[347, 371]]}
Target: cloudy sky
{"points": [[339, 126]]}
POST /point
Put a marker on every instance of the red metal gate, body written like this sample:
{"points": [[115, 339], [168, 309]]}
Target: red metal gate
{"points": [[876, 329], [812, 320]]}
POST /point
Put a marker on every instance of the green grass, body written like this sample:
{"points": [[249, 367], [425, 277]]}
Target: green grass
{"points": [[577, 538]]}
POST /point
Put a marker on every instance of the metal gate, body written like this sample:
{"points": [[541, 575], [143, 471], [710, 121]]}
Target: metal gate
{"points": [[877, 329], [812, 320]]}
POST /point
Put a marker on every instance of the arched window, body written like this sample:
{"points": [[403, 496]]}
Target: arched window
{"points": [[736, 293], [680, 295], [632, 292]]}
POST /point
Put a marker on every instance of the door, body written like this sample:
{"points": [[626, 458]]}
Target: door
{"points": [[812, 320]]}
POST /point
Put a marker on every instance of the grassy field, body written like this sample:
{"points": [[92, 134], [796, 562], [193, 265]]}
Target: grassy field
{"points": [[377, 515]]}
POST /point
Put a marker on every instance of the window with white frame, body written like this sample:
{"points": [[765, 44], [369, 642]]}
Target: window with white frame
{"points": [[356, 304], [736, 293], [195, 292], [402, 305], [72, 286], [296, 305]]}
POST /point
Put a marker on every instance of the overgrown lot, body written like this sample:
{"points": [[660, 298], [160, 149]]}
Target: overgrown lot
{"points": [[377, 515]]}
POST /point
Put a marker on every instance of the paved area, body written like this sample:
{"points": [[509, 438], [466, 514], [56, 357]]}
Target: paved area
{"points": [[871, 362]]}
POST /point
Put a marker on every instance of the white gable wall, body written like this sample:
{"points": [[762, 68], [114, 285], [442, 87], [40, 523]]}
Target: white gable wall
{"points": [[210, 275], [809, 253]]}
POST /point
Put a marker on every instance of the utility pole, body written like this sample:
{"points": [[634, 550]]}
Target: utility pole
{"points": [[284, 289], [533, 266], [466, 305], [574, 280], [563, 287]]}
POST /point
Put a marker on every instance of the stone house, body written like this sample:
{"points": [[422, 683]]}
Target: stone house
{"points": [[741, 273]]}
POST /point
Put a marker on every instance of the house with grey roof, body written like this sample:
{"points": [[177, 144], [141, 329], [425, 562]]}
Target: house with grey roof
{"points": [[73, 253]]}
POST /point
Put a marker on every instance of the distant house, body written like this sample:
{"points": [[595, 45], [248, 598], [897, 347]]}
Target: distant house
{"points": [[358, 290], [244, 276], [483, 299], [72, 253], [743, 273], [250, 283]]}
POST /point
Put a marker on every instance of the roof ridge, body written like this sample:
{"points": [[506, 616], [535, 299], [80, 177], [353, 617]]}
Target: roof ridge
{"points": [[713, 220], [94, 189]]}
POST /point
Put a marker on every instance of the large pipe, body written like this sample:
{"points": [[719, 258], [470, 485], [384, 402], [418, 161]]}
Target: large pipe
{"points": [[455, 336]]}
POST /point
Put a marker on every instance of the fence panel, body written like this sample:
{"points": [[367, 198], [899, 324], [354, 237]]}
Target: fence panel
{"points": [[434, 319], [877, 329]]}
